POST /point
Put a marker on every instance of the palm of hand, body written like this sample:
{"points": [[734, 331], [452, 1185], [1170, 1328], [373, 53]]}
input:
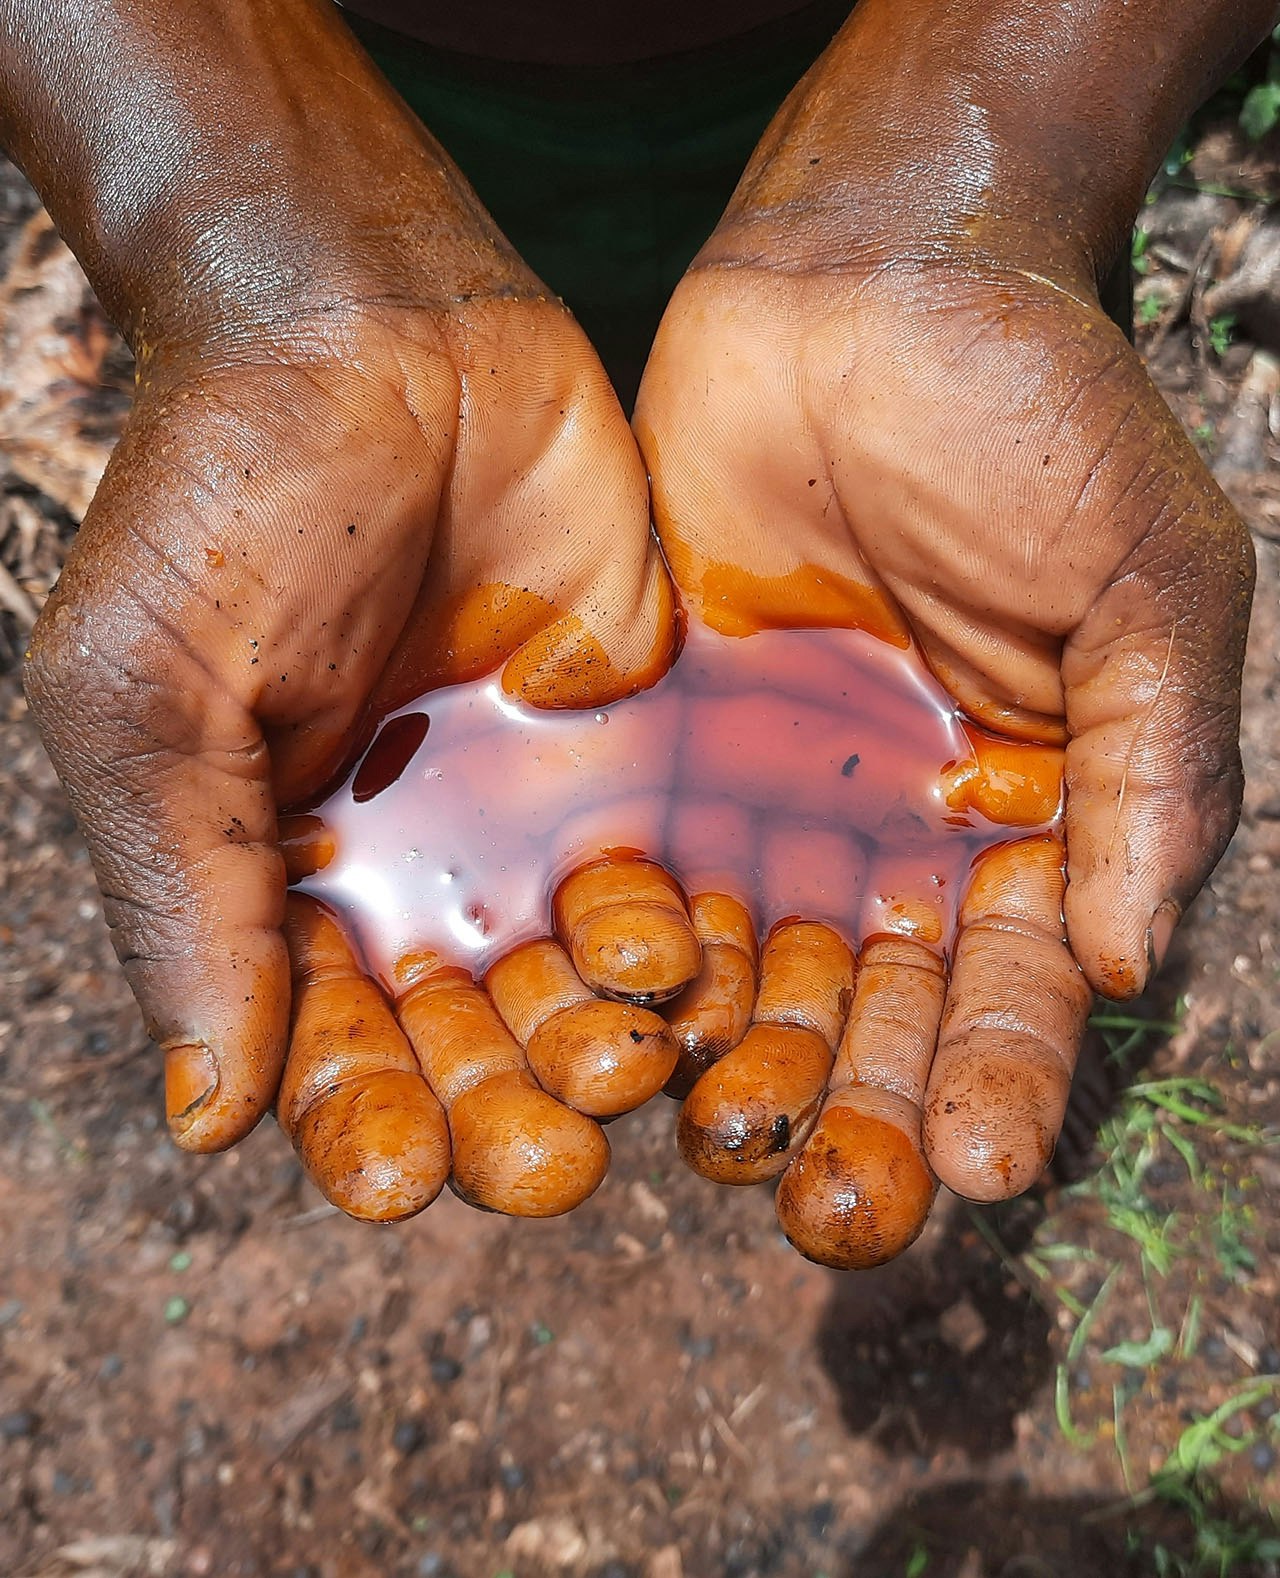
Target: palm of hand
{"points": [[990, 452]]}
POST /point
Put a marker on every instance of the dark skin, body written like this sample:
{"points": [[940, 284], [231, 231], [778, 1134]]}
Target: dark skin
{"points": [[331, 332]]}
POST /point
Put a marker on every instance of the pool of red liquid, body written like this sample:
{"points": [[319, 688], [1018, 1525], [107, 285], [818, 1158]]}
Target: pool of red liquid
{"points": [[798, 770]]}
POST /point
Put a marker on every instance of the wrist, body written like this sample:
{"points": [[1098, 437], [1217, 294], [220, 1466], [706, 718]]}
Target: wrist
{"points": [[1008, 130], [249, 168]]}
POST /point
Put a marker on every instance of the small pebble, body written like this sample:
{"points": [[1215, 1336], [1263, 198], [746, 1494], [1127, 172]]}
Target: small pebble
{"points": [[345, 1416], [685, 1222], [512, 1476], [1263, 1457], [444, 1370], [63, 1483], [697, 1347], [111, 1367], [408, 1437], [9, 1311], [182, 1214], [18, 1425], [143, 1448], [819, 1518]]}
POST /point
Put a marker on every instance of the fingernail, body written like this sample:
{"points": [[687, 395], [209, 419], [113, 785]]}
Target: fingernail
{"points": [[1160, 933], [190, 1078]]}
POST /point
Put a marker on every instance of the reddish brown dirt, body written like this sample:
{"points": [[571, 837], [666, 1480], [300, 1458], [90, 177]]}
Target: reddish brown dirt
{"points": [[203, 1370]]}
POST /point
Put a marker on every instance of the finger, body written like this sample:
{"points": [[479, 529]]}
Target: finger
{"points": [[747, 1115], [860, 1190], [1154, 782], [713, 1012], [1011, 782], [1014, 1017], [600, 1058], [169, 778], [624, 922], [353, 1101], [806, 979], [516, 1149]]}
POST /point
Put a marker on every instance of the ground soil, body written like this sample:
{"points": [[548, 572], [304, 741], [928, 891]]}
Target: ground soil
{"points": [[205, 1370]]}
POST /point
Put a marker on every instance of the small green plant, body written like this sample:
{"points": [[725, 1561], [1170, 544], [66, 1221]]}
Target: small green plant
{"points": [[1179, 1120], [1171, 1113], [1147, 310], [1222, 1546], [1260, 108], [1182, 1121], [1221, 332]]}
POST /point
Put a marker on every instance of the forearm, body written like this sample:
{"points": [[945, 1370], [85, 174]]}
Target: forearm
{"points": [[1026, 124], [212, 161]]}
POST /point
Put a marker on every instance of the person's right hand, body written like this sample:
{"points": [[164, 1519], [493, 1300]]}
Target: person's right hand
{"points": [[303, 524], [369, 455]]}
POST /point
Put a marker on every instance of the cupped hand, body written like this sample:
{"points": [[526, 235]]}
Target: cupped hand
{"points": [[304, 524], [837, 432]]}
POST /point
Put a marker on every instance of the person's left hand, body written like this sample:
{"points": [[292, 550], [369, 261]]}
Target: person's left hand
{"points": [[834, 424]]}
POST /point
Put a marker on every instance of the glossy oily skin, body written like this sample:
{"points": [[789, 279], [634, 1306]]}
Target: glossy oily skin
{"points": [[751, 1110], [515, 1148], [285, 589], [353, 1101]]}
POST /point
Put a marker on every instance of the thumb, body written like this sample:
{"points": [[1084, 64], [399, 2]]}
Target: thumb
{"points": [[169, 779], [1152, 678]]}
